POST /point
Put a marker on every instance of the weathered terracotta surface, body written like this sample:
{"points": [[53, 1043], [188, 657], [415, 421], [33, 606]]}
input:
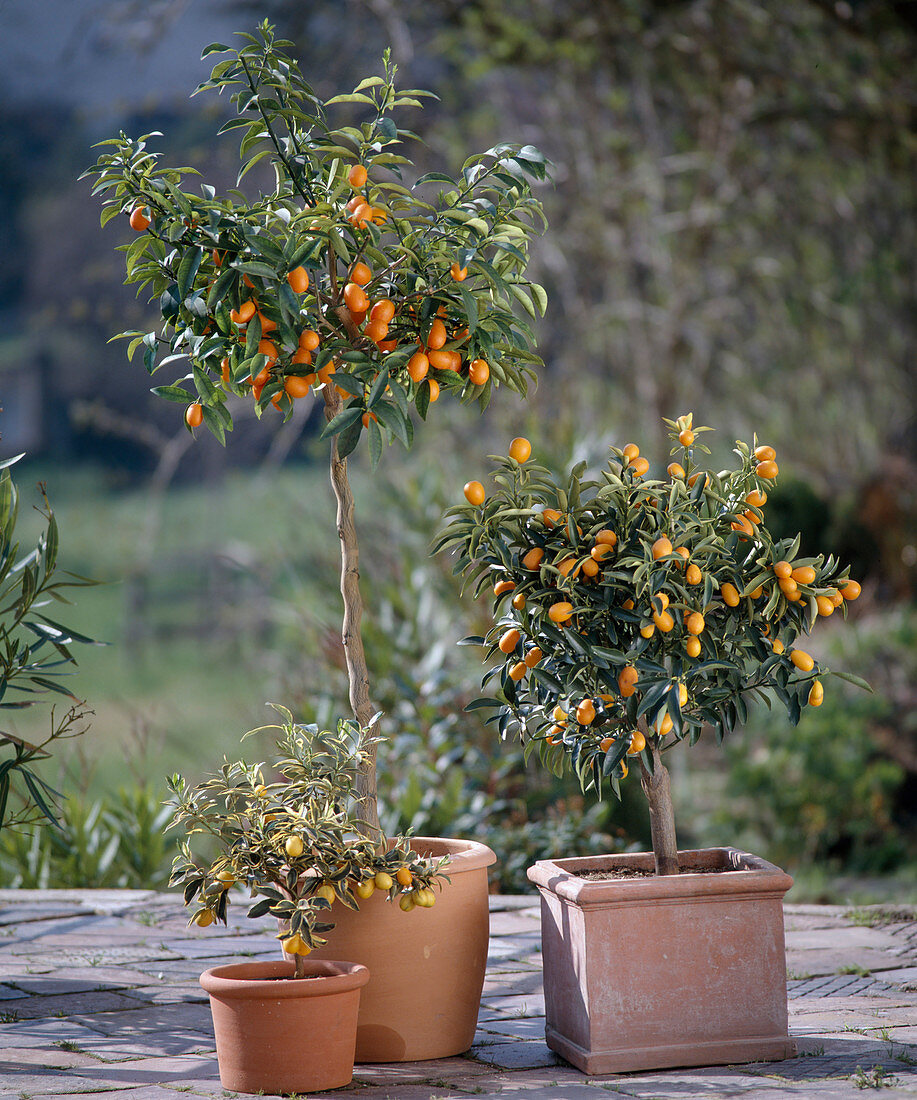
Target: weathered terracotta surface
{"points": [[679, 970], [427, 966], [287, 1035]]}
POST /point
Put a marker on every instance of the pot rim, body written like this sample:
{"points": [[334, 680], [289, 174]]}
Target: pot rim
{"points": [[750, 875], [464, 855], [251, 980]]}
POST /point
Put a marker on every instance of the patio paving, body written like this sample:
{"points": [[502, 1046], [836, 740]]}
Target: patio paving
{"points": [[99, 996]]}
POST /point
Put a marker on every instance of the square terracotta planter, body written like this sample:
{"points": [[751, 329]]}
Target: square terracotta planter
{"points": [[680, 970]]}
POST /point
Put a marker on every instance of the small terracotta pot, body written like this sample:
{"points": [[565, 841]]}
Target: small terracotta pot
{"points": [[279, 1034], [427, 965], [674, 970]]}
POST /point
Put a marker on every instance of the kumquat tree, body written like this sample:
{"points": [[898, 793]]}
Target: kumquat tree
{"points": [[344, 280], [295, 843], [632, 612]]}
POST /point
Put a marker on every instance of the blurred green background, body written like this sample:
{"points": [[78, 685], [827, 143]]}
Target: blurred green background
{"points": [[732, 231]]}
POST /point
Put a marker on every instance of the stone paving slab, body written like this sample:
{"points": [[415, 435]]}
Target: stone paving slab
{"points": [[125, 1017]]}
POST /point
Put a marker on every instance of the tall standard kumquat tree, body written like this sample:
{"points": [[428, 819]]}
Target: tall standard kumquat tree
{"points": [[345, 280]]}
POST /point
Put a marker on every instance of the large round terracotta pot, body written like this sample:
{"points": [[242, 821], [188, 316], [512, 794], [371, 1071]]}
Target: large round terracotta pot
{"points": [[277, 1034], [426, 966]]}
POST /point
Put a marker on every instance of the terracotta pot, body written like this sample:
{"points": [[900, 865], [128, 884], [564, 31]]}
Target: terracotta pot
{"points": [[677, 970], [277, 1034], [427, 966]]}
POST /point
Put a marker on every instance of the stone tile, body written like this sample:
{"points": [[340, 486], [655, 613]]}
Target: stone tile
{"points": [[498, 902], [170, 994], [812, 963], [90, 901], [104, 956], [820, 1023], [513, 922], [223, 947], [560, 1078], [511, 983], [531, 1027], [7, 993], [44, 1033], [52, 1084], [519, 1004], [152, 1029], [149, 1071], [843, 938], [73, 1004], [511, 947], [516, 966], [48, 985], [27, 914], [394, 1074], [570, 1090], [423, 1091], [905, 975], [902, 1035], [871, 1002], [15, 1060], [516, 1055], [156, 1092], [17, 967]]}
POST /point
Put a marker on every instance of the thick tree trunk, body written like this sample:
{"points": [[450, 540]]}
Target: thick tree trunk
{"points": [[662, 816], [357, 674]]}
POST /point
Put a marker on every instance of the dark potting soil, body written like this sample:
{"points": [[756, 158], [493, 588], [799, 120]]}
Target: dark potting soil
{"points": [[636, 872]]}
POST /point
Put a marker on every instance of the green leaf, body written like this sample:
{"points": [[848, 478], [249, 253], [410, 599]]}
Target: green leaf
{"points": [[851, 679], [215, 423], [375, 444], [187, 270], [422, 399], [436, 177], [349, 437], [172, 393], [353, 97], [541, 297], [221, 286], [256, 267], [343, 420], [471, 307], [378, 388]]}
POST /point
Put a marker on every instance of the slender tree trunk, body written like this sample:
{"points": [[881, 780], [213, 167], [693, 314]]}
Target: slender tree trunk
{"points": [[662, 817], [357, 674]]}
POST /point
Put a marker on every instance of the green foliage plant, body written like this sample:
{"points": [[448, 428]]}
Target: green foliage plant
{"points": [[115, 841], [296, 843], [35, 656], [633, 612], [345, 278]]}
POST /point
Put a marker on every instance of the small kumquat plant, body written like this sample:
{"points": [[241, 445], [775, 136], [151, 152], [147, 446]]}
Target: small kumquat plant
{"points": [[632, 612], [295, 842]]}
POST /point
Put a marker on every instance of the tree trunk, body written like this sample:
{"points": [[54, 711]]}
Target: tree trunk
{"points": [[357, 674], [662, 817]]}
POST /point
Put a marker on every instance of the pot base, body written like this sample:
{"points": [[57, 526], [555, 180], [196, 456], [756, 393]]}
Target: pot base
{"points": [[774, 1048]]}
